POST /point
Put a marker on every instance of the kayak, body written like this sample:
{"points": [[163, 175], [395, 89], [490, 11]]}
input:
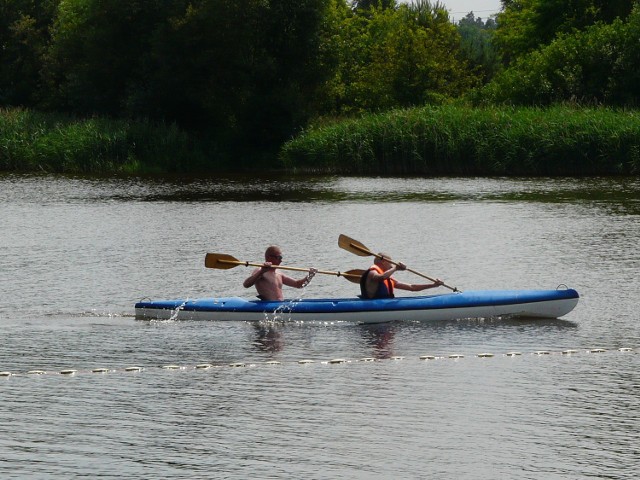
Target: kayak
{"points": [[448, 306]]}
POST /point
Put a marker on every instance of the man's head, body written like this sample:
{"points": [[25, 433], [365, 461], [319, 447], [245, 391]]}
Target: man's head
{"points": [[383, 260], [273, 254]]}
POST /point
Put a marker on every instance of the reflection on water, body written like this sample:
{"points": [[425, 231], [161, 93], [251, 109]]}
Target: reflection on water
{"points": [[380, 338], [268, 338], [620, 194]]}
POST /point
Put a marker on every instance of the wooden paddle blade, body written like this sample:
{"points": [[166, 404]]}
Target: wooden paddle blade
{"points": [[353, 275], [221, 261], [353, 246]]}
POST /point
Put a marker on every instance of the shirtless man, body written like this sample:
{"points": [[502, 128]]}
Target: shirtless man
{"points": [[268, 280]]}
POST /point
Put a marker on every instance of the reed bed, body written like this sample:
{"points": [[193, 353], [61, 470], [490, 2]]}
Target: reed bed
{"points": [[445, 140], [34, 141], [458, 140]]}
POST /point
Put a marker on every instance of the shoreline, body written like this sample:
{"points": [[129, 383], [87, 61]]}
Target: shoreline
{"points": [[427, 142]]}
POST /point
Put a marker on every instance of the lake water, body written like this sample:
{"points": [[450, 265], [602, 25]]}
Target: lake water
{"points": [[77, 253]]}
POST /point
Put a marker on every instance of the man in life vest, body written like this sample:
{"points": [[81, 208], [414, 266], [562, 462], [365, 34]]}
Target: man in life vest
{"points": [[377, 282], [268, 280]]}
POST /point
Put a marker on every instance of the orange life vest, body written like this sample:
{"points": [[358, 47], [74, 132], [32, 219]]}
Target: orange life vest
{"points": [[385, 287]]}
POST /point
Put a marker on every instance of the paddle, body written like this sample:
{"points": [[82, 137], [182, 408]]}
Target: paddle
{"points": [[357, 248], [223, 261]]}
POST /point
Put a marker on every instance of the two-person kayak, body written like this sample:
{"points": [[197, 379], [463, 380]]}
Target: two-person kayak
{"points": [[448, 306]]}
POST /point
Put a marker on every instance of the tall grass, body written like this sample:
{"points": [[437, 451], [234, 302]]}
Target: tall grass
{"points": [[458, 140], [446, 140], [32, 141]]}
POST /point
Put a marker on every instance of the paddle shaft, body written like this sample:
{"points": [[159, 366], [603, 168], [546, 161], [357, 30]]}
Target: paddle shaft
{"points": [[214, 259], [369, 252], [281, 267]]}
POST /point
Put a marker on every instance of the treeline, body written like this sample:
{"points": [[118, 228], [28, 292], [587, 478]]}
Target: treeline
{"points": [[230, 81], [244, 75]]}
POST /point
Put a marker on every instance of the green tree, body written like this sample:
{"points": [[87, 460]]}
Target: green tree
{"points": [[625, 77], [242, 72], [397, 57], [524, 25], [368, 4], [24, 38], [476, 45], [98, 49], [289, 75], [597, 65]]}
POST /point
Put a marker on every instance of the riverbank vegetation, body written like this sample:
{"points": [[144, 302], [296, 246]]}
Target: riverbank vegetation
{"points": [[451, 140], [544, 87], [33, 141]]}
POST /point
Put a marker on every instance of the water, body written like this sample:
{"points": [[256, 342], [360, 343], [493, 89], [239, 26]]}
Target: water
{"points": [[77, 253]]}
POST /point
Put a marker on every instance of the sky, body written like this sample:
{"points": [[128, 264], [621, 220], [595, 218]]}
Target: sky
{"points": [[459, 8]]}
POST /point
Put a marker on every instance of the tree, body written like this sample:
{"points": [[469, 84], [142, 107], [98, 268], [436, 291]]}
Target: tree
{"points": [[98, 49], [397, 57], [24, 37], [368, 4], [524, 25], [243, 72], [476, 45], [597, 65]]}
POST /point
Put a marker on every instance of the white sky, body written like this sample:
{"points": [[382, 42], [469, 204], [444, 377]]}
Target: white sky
{"points": [[459, 8]]}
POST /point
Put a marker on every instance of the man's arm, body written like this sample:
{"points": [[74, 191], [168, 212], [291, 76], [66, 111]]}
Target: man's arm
{"points": [[251, 280], [417, 287], [378, 277], [303, 282]]}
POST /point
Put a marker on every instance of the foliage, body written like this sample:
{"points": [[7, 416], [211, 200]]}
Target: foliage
{"points": [[593, 66], [244, 76], [525, 25], [24, 37], [477, 47], [64, 144], [244, 72], [98, 48], [367, 4], [396, 57], [453, 140]]}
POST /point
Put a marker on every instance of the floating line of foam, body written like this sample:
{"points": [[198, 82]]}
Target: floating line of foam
{"points": [[334, 361]]}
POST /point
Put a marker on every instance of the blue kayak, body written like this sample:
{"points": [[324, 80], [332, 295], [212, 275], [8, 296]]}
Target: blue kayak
{"points": [[448, 306]]}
